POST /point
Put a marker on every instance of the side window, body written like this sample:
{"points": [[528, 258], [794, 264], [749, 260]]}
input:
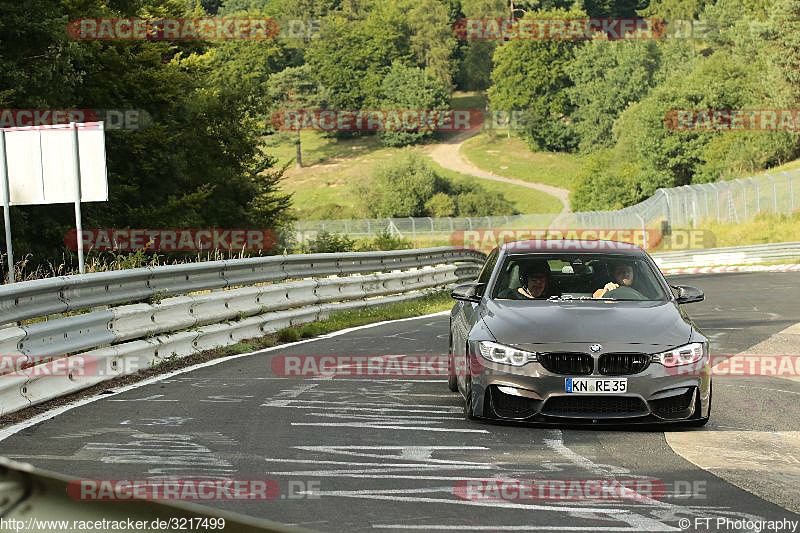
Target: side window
{"points": [[488, 267]]}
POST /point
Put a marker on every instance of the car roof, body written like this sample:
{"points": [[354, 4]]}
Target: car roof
{"points": [[570, 245]]}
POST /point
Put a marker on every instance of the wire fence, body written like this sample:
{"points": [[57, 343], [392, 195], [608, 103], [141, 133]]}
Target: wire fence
{"points": [[689, 206]]}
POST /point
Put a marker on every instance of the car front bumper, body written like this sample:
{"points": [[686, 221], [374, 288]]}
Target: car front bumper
{"points": [[531, 393]]}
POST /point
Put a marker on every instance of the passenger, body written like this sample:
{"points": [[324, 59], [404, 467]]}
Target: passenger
{"points": [[622, 273], [535, 280]]}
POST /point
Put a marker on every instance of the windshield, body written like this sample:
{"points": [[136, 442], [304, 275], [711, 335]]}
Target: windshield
{"points": [[577, 277]]}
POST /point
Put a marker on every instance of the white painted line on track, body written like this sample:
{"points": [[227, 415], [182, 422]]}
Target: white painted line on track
{"points": [[494, 504]]}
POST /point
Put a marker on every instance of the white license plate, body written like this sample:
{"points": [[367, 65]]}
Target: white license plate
{"points": [[596, 386]]}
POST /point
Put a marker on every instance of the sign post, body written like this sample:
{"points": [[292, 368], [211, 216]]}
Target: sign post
{"points": [[78, 221], [7, 207]]}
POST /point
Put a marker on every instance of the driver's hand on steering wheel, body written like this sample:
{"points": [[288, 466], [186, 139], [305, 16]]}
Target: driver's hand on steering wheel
{"points": [[610, 286]]}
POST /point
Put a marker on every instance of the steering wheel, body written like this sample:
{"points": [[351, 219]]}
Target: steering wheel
{"points": [[624, 293]]}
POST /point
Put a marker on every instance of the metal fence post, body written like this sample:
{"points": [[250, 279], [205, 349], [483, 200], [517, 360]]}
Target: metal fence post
{"points": [[744, 198], [666, 198], [758, 197], [791, 191]]}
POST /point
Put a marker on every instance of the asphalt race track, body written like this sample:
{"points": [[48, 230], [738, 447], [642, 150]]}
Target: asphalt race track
{"points": [[385, 454]]}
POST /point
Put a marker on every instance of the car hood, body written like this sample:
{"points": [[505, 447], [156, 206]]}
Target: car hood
{"points": [[617, 325]]}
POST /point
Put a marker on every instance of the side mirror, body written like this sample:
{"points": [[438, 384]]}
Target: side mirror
{"points": [[688, 295], [469, 292]]}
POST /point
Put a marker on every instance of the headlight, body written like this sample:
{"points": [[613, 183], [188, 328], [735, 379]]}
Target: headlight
{"points": [[685, 355], [497, 353]]}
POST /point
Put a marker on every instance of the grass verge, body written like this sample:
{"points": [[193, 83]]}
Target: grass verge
{"points": [[764, 228], [523, 199], [510, 157], [431, 303]]}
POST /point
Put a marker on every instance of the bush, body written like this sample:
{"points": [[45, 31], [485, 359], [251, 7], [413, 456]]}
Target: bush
{"points": [[384, 241], [410, 187], [326, 242], [549, 132], [441, 205], [481, 203], [608, 180], [402, 188]]}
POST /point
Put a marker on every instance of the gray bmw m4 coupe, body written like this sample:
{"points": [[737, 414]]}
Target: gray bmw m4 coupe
{"points": [[582, 332]]}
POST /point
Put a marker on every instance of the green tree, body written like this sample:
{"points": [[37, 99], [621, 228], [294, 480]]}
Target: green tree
{"points": [[294, 88], [475, 56], [782, 36], [531, 75], [410, 88], [607, 76]]}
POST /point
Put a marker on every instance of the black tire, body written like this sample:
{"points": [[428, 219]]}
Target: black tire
{"points": [[468, 412], [452, 380]]}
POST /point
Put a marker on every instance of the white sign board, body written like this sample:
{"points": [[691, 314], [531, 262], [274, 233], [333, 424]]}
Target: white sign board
{"points": [[41, 164]]}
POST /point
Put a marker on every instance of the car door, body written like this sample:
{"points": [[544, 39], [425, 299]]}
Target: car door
{"points": [[465, 316]]}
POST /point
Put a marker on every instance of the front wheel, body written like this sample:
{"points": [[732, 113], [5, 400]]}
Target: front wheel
{"points": [[468, 412], [452, 380]]}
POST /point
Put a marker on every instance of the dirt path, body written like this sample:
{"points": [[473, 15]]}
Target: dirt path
{"points": [[447, 155]]}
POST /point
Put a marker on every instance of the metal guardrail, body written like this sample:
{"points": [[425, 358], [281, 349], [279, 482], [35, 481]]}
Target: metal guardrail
{"points": [[734, 255], [216, 304], [29, 299]]}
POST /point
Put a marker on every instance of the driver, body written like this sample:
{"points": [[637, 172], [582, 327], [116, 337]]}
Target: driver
{"points": [[622, 273]]}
